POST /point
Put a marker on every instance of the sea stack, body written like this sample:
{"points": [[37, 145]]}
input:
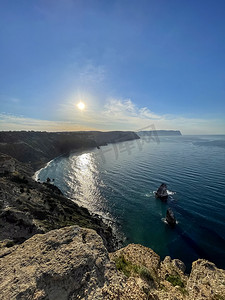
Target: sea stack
{"points": [[170, 219], [162, 191]]}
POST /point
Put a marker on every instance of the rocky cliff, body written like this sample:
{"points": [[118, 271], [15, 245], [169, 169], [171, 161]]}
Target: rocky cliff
{"points": [[73, 263], [28, 207], [37, 148], [52, 249]]}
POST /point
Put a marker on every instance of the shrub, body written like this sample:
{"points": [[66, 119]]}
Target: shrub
{"points": [[17, 178], [123, 265], [175, 280], [145, 274], [128, 269]]}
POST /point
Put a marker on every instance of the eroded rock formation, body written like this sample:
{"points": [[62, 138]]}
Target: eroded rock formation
{"points": [[73, 263], [170, 218], [162, 191]]}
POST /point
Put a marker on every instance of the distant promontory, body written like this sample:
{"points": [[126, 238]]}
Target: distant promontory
{"points": [[160, 132]]}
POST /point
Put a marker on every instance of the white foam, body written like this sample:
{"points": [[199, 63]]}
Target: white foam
{"points": [[148, 195], [170, 192], [164, 221], [36, 174]]}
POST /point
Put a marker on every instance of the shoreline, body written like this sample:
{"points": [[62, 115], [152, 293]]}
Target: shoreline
{"points": [[47, 223], [119, 236], [28, 207]]}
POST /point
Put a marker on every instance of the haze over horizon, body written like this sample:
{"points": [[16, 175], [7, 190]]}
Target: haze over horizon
{"points": [[112, 65]]}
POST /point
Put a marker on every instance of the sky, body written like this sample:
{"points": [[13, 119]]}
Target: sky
{"points": [[133, 63]]}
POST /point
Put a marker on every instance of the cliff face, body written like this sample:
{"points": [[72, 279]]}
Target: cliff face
{"points": [[72, 263], [28, 207], [37, 148]]}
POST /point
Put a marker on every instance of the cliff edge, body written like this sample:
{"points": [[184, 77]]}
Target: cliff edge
{"points": [[28, 207], [73, 263]]}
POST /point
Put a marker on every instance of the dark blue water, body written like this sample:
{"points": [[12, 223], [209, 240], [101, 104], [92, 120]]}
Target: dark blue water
{"points": [[118, 182]]}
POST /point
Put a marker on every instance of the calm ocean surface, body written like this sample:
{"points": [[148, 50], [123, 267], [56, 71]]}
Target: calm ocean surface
{"points": [[118, 182]]}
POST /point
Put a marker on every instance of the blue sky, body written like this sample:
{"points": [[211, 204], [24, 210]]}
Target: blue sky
{"points": [[133, 64]]}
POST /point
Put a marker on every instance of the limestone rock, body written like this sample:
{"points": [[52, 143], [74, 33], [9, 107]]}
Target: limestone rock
{"points": [[68, 263], [206, 281], [140, 255], [73, 263]]}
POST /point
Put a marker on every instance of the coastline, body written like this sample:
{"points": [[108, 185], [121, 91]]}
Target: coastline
{"points": [[40, 224], [37, 208], [118, 237], [36, 173], [28, 207]]}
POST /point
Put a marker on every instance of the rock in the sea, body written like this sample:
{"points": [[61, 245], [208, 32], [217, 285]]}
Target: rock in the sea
{"points": [[170, 218], [162, 191]]}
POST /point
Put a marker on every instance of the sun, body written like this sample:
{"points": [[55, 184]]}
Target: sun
{"points": [[81, 105]]}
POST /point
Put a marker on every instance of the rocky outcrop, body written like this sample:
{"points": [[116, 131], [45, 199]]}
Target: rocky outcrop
{"points": [[7, 164], [170, 218], [206, 281], [73, 263], [69, 263], [166, 280], [162, 192]]}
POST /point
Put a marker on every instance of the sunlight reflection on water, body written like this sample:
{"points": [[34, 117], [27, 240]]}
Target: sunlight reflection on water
{"points": [[84, 181]]}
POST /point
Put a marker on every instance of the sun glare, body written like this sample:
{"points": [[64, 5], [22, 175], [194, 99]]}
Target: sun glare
{"points": [[81, 105]]}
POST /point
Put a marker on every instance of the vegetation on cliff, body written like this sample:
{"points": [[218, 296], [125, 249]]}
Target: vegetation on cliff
{"points": [[73, 263]]}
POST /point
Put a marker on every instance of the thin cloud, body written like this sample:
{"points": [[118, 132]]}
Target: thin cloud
{"points": [[124, 114], [116, 114], [128, 108], [11, 122]]}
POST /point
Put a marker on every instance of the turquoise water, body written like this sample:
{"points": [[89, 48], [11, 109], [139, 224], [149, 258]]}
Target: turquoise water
{"points": [[118, 182]]}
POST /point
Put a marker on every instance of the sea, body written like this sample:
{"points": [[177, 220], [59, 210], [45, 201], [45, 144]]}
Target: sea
{"points": [[118, 182]]}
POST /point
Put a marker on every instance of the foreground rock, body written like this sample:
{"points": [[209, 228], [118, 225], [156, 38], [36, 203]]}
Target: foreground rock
{"points": [[69, 263], [206, 281], [166, 280], [73, 263]]}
